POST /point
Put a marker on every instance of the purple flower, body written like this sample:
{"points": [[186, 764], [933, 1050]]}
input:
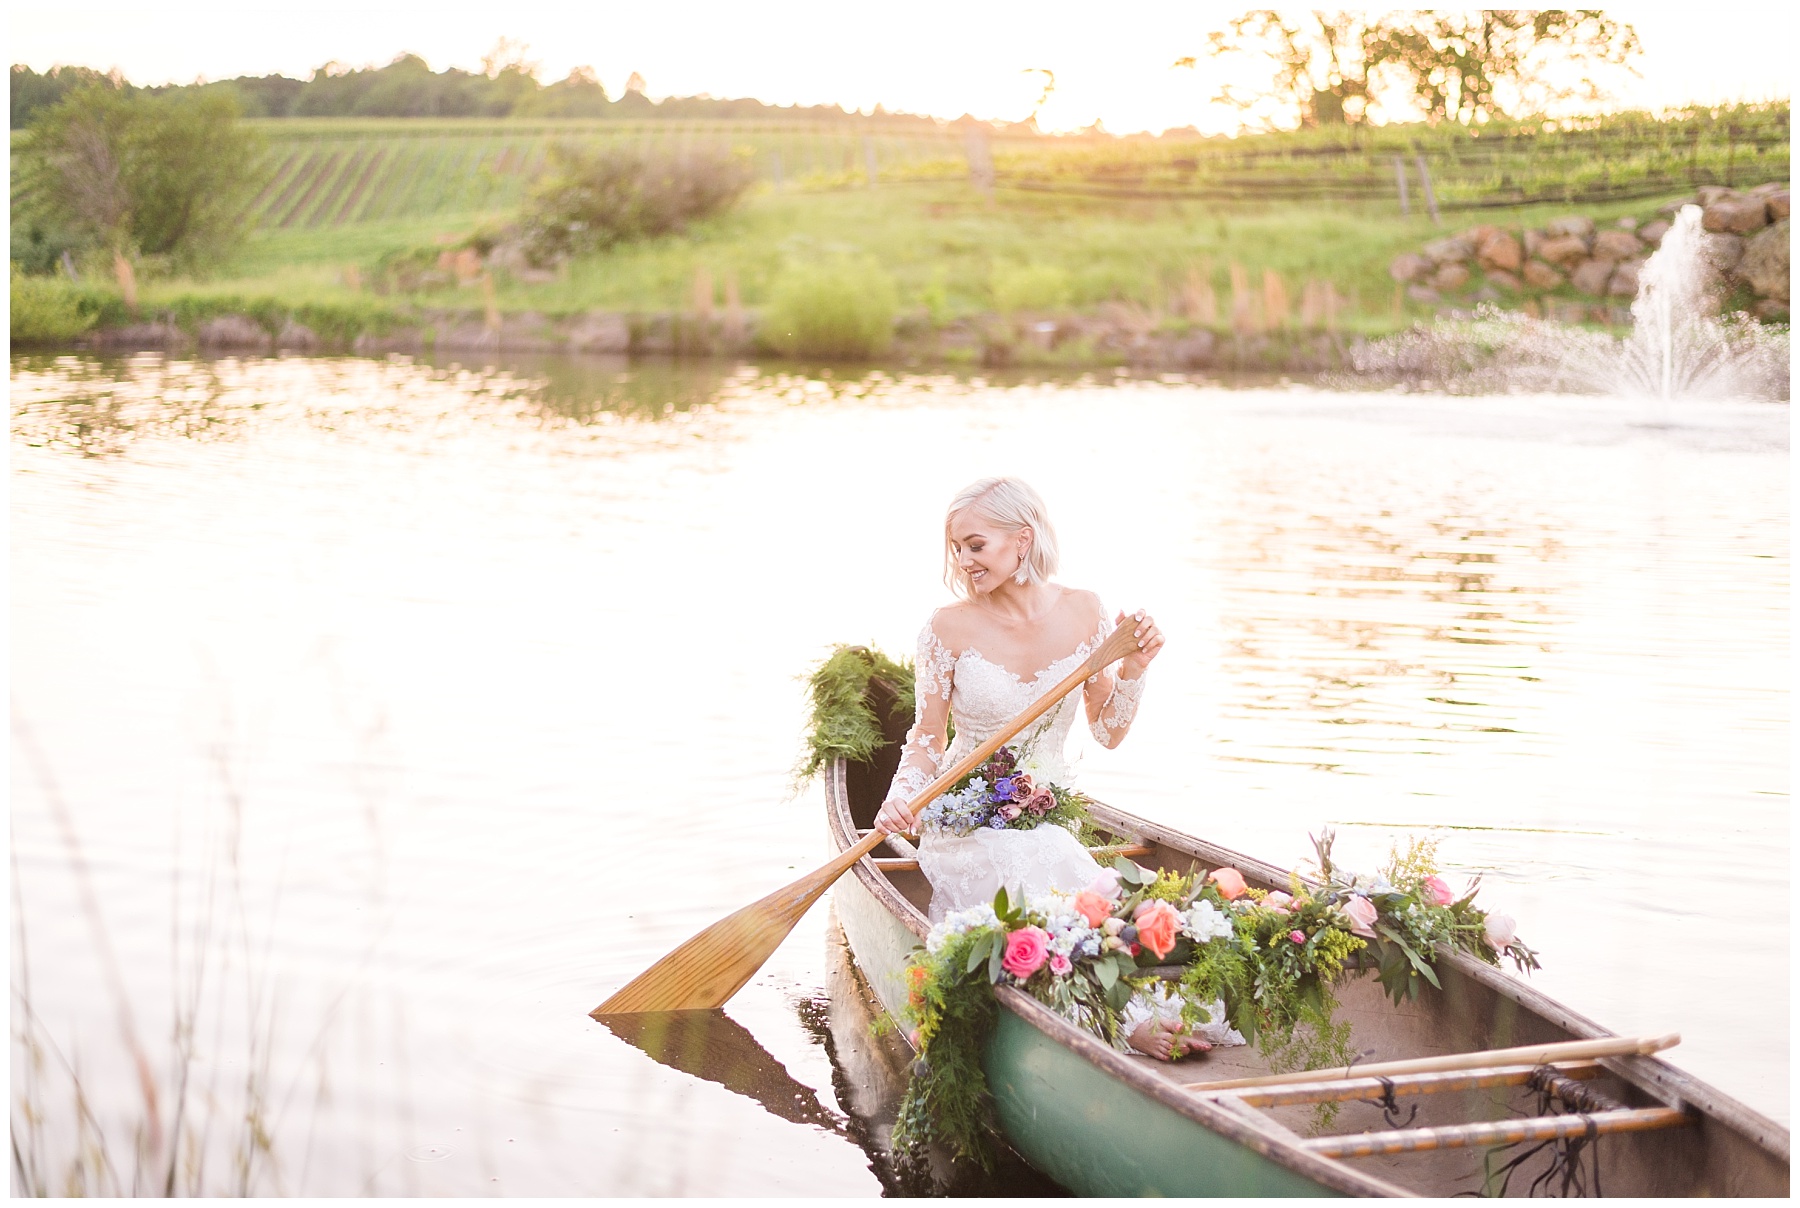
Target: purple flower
{"points": [[997, 822], [1003, 789]]}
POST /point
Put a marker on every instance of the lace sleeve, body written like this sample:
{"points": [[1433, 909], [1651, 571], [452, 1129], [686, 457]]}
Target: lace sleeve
{"points": [[922, 758], [1119, 698]]}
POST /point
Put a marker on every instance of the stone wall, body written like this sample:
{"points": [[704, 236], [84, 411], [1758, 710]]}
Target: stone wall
{"points": [[1574, 267]]}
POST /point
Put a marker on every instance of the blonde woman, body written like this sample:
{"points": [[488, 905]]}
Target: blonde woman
{"points": [[1013, 635]]}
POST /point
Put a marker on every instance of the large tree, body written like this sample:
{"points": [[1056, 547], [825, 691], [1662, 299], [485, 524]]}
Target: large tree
{"points": [[163, 177], [1335, 68]]}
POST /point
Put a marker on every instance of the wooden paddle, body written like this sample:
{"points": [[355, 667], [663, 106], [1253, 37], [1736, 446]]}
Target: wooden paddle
{"points": [[709, 968]]}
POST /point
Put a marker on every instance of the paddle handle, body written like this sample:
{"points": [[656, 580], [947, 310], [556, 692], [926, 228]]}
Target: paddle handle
{"points": [[1119, 643]]}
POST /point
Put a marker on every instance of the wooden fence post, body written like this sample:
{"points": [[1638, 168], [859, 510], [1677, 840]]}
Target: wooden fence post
{"points": [[1425, 186], [1400, 179]]}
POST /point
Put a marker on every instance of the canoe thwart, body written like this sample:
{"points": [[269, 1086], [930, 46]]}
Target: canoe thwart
{"points": [[1526, 1055], [1372, 1090], [1496, 1132]]}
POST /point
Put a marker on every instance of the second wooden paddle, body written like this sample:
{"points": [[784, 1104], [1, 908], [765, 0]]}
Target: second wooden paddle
{"points": [[712, 966]]}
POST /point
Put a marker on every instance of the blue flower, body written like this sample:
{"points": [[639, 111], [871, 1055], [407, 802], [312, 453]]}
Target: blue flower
{"points": [[996, 823]]}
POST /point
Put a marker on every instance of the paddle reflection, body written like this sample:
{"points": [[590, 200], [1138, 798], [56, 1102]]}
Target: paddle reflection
{"points": [[714, 1046]]}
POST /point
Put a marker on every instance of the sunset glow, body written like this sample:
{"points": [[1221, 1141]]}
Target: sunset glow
{"points": [[945, 59]]}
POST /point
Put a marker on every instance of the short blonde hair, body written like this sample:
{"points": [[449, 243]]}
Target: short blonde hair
{"points": [[1013, 505]]}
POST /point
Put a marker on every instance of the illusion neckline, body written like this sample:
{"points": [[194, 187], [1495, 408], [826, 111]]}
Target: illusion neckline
{"points": [[1081, 651]]}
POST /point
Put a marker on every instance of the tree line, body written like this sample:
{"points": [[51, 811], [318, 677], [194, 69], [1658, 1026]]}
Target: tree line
{"points": [[408, 87]]}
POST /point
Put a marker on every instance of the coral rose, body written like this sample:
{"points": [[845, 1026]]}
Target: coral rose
{"points": [[1157, 925], [1437, 891], [1276, 900], [1092, 907], [1230, 882], [1362, 915], [1500, 930], [1026, 951]]}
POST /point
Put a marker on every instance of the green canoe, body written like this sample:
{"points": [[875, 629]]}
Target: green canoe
{"points": [[1102, 1122]]}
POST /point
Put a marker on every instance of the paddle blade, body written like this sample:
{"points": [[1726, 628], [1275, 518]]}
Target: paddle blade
{"points": [[712, 966]]}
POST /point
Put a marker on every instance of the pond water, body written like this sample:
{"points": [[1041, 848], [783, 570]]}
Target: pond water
{"points": [[374, 720]]}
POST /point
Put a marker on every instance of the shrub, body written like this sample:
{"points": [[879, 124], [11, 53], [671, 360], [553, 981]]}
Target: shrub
{"points": [[590, 200], [837, 308], [46, 310], [1030, 287]]}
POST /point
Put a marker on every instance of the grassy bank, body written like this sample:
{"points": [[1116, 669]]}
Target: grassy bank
{"points": [[1172, 230], [951, 251]]}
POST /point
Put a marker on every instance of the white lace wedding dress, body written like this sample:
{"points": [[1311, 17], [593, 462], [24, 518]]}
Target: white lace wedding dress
{"points": [[982, 696]]}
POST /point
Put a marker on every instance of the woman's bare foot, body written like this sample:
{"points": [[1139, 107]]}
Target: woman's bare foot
{"points": [[1157, 1039]]}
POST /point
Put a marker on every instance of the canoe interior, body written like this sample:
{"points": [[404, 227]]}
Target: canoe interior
{"points": [[1728, 1150]]}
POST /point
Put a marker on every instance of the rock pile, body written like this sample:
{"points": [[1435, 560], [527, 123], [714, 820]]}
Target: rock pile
{"points": [[1572, 255]]}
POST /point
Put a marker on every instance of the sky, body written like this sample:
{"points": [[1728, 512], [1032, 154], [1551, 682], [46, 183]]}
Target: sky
{"points": [[943, 57]]}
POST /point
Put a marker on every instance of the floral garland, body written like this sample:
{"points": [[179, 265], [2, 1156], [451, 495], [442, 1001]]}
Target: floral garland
{"points": [[1271, 958], [1008, 792]]}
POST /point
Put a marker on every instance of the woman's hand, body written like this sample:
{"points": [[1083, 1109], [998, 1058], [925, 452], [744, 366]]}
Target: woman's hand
{"points": [[1149, 640], [1153, 1038], [894, 817]]}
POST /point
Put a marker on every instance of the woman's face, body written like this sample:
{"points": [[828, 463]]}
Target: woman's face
{"points": [[987, 553]]}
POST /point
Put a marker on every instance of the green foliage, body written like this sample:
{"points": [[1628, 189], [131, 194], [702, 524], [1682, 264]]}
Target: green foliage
{"points": [[951, 1003], [841, 307], [166, 178], [843, 722], [1031, 287], [590, 200], [46, 310]]}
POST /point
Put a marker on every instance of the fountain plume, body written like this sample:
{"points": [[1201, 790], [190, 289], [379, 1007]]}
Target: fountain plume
{"points": [[1679, 348]]}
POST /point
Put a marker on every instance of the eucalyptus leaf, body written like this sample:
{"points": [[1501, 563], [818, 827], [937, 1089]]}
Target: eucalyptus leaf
{"points": [[1107, 972], [994, 963], [978, 952]]}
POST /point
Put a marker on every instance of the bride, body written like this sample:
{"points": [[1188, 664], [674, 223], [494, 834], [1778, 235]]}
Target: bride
{"points": [[1012, 636]]}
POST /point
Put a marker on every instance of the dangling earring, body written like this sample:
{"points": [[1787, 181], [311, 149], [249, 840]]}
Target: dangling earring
{"points": [[1023, 574]]}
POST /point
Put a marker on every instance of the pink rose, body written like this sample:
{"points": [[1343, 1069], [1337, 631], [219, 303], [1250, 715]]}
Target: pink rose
{"points": [[1278, 901], [1230, 882], [1500, 931], [1022, 786], [1059, 965], [1093, 907], [1437, 892], [1011, 810], [1157, 926], [1362, 915], [1299, 937], [1026, 951], [1106, 884], [1041, 802]]}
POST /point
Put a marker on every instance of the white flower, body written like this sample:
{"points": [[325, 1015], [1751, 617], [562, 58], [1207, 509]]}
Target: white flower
{"points": [[1500, 930], [957, 922], [1206, 922]]}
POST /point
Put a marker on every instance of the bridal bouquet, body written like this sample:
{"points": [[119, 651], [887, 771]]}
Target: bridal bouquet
{"points": [[1005, 793]]}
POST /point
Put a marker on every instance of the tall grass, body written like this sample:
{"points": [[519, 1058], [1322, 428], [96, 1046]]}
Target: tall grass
{"points": [[840, 307], [188, 1127]]}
